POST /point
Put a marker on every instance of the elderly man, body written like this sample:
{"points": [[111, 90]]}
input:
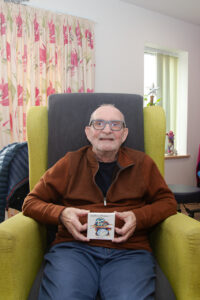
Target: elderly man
{"points": [[103, 177]]}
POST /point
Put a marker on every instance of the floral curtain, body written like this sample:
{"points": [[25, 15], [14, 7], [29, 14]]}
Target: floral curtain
{"points": [[41, 53]]}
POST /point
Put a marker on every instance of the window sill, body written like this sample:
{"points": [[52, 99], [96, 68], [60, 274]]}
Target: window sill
{"points": [[176, 156]]}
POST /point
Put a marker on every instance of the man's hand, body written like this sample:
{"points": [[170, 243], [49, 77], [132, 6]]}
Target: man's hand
{"points": [[129, 226], [70, 219]]}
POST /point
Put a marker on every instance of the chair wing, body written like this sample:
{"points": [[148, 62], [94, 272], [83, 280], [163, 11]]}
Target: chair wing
{"points": [[154, 134], [37, 134]]}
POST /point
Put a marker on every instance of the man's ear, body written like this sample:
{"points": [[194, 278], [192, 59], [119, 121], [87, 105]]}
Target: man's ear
{"points": [[88, 132], [125, 134]]}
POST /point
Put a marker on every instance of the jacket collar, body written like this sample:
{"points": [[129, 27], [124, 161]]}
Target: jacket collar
{"points": [[123, 159]]}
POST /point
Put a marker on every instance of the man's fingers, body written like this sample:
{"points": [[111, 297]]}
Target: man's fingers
{"points": [[128, 228], [77, 235], [84, 227], [71, 212], [82, 212], [124, 229], [121, 215], [122, 238], [70, 219], [79, 227], [80, 237]]}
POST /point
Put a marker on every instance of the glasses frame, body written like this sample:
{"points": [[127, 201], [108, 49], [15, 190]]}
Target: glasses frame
{"points": [[123, 124]]}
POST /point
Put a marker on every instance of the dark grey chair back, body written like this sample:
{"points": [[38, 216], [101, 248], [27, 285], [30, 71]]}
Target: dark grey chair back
{"points": [[68, 114]]}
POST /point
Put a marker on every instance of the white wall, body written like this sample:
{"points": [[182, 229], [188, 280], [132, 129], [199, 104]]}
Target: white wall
{"points": [[121, 32]]}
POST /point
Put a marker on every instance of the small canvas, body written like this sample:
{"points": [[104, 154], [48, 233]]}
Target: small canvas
{"points": [[101, 226]]}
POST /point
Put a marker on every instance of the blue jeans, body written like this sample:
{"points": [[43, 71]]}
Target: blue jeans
{"points": [[76, 271]]}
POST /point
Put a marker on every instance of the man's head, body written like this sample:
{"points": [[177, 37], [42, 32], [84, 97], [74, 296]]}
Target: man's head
{"points": [[106, 137]]}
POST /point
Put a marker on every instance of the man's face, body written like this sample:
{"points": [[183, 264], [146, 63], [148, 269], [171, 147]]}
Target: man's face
{"points": [[106, 140]]}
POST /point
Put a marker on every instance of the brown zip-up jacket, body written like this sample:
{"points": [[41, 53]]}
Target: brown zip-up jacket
{"points": [[138, 186]]}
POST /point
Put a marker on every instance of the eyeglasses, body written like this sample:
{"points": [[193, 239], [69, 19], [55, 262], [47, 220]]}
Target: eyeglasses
{"points": [[101, 124]]}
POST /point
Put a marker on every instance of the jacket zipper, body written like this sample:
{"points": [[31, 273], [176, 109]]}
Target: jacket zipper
{"points": [[105, 198]]}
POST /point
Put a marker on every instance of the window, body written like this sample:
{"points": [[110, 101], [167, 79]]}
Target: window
{"points": [[165, 77]]}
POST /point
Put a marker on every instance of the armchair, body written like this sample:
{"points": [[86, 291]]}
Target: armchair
{"points": [[176, 241]]}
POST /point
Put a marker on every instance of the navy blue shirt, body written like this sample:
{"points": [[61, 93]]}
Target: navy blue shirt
{"points": [[105, 175]]}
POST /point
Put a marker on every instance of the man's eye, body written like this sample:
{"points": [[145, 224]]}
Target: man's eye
{"points": [[99, 123], [115, 124]]}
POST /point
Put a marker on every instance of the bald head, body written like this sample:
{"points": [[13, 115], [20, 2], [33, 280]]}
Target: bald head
{"points": [[107, 107]]}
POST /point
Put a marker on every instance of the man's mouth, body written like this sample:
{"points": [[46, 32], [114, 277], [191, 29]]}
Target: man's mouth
{"points": [[106, 139]]}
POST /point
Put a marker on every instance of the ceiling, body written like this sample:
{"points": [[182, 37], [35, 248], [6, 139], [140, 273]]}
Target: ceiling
{"points": [[185, 10]]}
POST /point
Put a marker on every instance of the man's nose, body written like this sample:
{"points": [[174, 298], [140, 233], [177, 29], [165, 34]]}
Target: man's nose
{"points": [[107, 128]]}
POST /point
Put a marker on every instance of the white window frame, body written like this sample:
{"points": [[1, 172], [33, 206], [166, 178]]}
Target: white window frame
{"points": [[182, 95]]}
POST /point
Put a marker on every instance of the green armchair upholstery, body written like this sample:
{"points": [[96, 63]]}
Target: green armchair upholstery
{"points": [[176, 241]]}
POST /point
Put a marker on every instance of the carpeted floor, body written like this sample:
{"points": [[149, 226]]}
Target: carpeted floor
{"points": [[191, 206]]}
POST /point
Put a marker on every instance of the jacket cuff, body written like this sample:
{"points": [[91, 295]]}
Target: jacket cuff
{"points": [[53, 216], [140, 218]]}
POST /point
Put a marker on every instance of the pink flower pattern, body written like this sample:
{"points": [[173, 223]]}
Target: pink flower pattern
{"points": [[78, 35], [24, 58], [90, 91], [65, 35], [88, 35], [43, 54], [74, 58], [50, 89], [24, 120], [5, 123], [8, 52], [11, 123], [52, 32], [37, 97], [36, 30], [19, 25], [4, 93], [3, 24], [51, 61], [43, 57], [81, 90], [20, 95], [70, 35]]}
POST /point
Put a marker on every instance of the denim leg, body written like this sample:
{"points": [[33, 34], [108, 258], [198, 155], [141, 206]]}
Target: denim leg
{"points": [[129, 275], [76, 271], [70, 273]]}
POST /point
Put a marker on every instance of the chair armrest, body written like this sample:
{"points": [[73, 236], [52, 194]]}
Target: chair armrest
{"points": [[176, 245], [22, 246]]}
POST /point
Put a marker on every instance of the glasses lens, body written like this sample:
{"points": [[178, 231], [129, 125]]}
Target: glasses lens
{"points": [[98, 124], [116, 125]]}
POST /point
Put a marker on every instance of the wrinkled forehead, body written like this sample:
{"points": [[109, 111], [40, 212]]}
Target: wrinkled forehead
{"points": [[107, 113]]}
